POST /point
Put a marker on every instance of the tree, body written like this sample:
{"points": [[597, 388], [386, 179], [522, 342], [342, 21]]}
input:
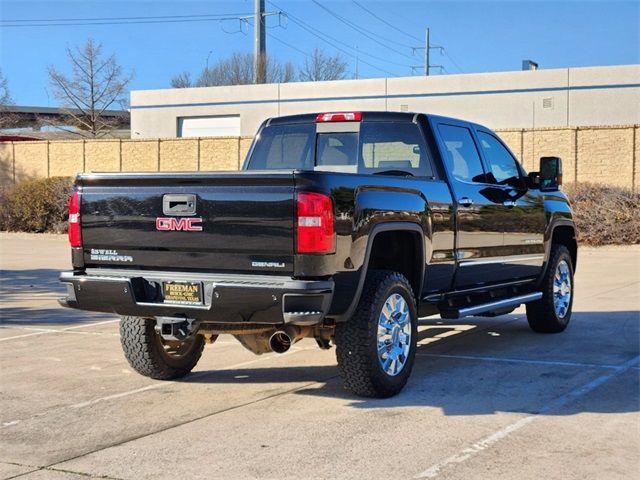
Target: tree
{"points": [[96, 83], [236, 70], [7, 119], [182, 80], [321, 66], [5, 96]]}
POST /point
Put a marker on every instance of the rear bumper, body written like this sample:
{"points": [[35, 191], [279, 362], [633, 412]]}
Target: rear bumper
{"points": [[226, 298]]}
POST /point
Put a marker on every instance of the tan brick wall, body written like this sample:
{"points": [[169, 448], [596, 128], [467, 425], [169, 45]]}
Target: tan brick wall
{"points": [[102, 156], [179, 155], [31, 160], [609, 154], [219, 154], [245, 144], [606, 156], [66, 159], [140, 155]]}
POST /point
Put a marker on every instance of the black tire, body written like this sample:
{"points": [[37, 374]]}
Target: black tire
{"points": [[542, 315], [145, 351], [357, 338]]}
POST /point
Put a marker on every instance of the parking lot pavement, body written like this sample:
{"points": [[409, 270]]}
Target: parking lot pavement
{"points": [[488, 398]]}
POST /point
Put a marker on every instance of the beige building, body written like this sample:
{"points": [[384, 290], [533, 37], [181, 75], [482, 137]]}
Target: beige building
{"points": [[568, 97]]}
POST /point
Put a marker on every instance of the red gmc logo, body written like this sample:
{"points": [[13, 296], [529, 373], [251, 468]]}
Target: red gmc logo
{"points": [[166, 224]]}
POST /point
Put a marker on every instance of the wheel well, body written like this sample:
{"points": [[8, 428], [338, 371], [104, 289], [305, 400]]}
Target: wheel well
{"points": [[399, 251], [566, 236]]}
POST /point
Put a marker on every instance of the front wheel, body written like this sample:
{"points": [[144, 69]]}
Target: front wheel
{"points": [[376, 348], [551, 314], [150, 355]]}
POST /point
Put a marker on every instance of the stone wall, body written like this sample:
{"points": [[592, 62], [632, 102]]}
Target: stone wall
{"points": [[607, 155]]}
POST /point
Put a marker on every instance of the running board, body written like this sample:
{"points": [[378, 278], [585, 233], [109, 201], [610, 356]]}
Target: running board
{"points": [[491, 306]]}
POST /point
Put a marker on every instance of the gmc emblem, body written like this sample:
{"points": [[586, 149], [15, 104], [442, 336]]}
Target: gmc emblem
{"points": [[167, 224]]}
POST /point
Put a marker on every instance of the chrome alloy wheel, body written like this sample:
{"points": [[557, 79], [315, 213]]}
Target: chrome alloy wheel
{"points": [[562, 289], [394, 334]]}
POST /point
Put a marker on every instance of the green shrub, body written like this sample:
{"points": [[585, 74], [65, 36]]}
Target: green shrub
{"points": [[605, 215], [36, 205]]}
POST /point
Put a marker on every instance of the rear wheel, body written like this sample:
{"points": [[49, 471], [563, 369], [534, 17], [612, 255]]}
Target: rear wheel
{"points": [[150, 355], [551, 314], [376, 348]]}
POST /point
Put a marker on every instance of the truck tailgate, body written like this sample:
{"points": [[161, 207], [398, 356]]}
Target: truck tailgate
{"points": [[240, 221]]}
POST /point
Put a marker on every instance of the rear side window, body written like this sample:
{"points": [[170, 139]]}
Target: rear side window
{"points": [[387, 146], [461, 155], [503, 165], [284, 146]]}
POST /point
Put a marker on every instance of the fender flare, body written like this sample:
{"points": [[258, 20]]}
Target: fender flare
{"points": [[375, 230], [558, 222]]}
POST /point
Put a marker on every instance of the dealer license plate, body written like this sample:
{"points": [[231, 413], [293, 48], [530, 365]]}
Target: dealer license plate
{"points": [[184, 293]]}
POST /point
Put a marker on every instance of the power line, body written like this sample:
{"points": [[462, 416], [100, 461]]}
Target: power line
{"points": [[367, 33], [387, 23], [460, 69], [122, 18], [293, 47], [219, 19], [333, 42]]}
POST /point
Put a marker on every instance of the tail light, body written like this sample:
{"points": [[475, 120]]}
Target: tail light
{"points": [[75, 237], [339, 117], [314, 223]]}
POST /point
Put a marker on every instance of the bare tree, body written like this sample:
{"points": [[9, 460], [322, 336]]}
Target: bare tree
{"points": [[236, 70], [5, 96], [96, 83], [182, 80], [321, 66], [7, 119]]}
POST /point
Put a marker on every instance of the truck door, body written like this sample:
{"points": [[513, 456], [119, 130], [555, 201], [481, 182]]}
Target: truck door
{"points": [[523, 208], [480, 212]]}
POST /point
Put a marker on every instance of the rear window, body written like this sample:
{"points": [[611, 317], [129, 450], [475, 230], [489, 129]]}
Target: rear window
{"points": [[379, 147]]}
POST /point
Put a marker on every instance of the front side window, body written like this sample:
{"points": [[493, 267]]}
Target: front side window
{"points": [[503, 166], [461, 154]]}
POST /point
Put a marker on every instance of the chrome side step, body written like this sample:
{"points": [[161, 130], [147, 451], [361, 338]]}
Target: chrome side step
{"points": [[491, 306]]}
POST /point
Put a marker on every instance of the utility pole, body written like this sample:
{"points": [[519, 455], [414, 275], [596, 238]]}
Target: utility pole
{"points": [[427, 47], [357, 62], [427, 55], [259, 50]]}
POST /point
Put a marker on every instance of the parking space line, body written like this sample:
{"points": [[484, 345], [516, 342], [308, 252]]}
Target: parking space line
{"points": [[518, 360], [495, 437], [60, 330], [147, 388]]}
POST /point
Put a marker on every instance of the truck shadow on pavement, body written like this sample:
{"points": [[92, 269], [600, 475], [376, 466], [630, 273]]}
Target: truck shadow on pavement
{"points": [[21, 292], [492, 365]]}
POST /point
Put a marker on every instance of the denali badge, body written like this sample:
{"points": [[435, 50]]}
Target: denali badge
{"points": [[165, 224]]}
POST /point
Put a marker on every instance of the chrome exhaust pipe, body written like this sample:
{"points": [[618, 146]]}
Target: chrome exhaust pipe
{"points": [[281, 340]]}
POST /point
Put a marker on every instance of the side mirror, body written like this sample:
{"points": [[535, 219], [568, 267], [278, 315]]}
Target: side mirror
{"points": [[550, 173]]}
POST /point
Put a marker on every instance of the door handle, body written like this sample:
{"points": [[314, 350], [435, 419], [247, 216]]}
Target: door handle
{"points": [[465, 202], [509, 203]]}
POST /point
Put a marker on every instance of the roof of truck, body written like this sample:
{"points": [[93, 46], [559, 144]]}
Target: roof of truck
{"points": [[369, 116]]}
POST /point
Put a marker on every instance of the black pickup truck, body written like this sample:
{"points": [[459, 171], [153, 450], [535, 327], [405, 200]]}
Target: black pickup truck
{"points": [[344, 227]]}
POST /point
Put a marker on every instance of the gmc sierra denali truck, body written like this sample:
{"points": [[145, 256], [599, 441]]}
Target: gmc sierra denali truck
{"points": [[343, 227]]}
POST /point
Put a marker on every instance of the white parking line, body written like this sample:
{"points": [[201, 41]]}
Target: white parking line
{"points": [[60, 330], [492, 439], [147, 388], [518, 360]]}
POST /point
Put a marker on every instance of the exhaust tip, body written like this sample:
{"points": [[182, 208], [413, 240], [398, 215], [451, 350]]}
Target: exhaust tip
{"points": [[280, 341]]}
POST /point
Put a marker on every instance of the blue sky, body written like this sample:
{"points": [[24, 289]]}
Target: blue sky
{"points": [[479, 36]]}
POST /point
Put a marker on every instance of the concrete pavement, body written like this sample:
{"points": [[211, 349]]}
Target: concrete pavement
{"points": [[488, 398]]}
